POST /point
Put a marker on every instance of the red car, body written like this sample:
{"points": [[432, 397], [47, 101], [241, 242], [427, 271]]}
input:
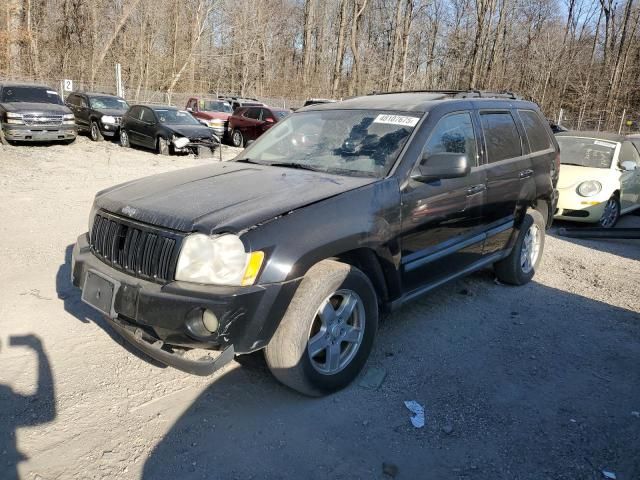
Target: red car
{"points": [[248, 123], [214, 112]]}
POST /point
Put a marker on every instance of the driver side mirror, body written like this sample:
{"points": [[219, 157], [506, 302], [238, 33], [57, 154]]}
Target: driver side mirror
{"points": [[628, 166], [440, 166]]}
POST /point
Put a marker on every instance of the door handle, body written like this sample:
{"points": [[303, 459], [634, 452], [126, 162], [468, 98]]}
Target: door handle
{"points": [[476, 189], [525, 173]]}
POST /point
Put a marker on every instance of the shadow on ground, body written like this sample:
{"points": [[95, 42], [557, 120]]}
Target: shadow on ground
{"points": [[528, 392], [17, 410], [622, 248], [73, 304]]}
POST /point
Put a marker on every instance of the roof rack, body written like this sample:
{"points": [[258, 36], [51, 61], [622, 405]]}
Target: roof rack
{"points": [[460, 93]]}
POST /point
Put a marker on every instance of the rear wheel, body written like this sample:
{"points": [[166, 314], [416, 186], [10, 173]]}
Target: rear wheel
{"points": [[237, 139], [325, 336], [521, 264], [163, 146], [611, 213], [94, 131], [124, 138]]}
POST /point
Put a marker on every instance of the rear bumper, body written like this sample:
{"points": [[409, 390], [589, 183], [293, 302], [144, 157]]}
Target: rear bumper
{"points": [[25, 133], [248, 316]]}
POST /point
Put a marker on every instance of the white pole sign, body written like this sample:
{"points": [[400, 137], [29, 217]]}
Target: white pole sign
{"points": [[68, 85]]}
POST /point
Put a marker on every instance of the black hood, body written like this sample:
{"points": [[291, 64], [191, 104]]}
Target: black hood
{"points": [[190, 131], [224, 197], [27, 107]]}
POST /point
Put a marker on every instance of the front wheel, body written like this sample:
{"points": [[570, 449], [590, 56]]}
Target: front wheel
{"points": [[327, 332], [237, 139], [124, 138], [163, 146], [95, 133], [521, 264], [611, 213]]}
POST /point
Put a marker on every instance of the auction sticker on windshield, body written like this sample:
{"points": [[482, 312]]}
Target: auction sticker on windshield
{"points": [[403, 120]]}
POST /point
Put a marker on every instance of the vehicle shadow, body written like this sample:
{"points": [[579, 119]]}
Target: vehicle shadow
{"points": [[73, 304], [17, 410], [621, 247], [509, 369]]}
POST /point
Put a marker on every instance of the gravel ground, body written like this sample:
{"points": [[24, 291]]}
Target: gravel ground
{"points": [[536, 382]]}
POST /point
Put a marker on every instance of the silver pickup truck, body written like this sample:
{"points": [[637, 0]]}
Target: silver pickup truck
{"points": [[34, 113]]}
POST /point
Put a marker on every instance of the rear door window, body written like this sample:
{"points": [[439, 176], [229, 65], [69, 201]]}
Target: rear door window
{"points": [[252, 113], [454, 134], [502, 140], [536, 132], [134, 113], [147, 116]]}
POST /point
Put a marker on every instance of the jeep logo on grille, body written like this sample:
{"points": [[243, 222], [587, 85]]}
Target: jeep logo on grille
{"points": [[129, 211]]}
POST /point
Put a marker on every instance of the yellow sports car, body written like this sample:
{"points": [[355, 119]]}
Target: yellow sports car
{"points": [[599, 177]]}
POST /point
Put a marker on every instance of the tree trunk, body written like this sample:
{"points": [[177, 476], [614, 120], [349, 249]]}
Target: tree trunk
{"points": [[337, 68]]}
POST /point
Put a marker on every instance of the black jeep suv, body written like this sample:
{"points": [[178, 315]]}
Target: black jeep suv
{"points": [[339, 212], [34, 113], [98, 114]]}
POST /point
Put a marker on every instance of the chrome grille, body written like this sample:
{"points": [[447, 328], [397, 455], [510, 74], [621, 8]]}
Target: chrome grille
{"points": [[42, 120]]}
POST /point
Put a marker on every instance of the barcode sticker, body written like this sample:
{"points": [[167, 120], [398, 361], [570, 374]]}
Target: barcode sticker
{"points": [[403, 120], [605, 144]]}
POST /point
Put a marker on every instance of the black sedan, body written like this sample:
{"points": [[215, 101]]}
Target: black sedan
{"points": [[166, 129]]}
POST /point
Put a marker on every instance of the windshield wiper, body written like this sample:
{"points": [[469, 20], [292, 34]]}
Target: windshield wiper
{"points": [[300, 166], [248, 160]]}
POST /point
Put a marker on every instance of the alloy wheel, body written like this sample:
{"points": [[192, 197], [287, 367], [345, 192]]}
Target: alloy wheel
{"points": [[610, 214], [336, 332], [530, 248]]}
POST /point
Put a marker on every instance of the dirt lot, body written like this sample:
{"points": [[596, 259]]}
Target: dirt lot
{"points": [[536, 382]]}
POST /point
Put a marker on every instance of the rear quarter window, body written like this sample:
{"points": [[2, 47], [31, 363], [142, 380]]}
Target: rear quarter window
{"points": [[501, 136], [536, 132]]}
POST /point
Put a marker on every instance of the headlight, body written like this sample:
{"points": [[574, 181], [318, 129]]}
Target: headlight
{"points": [[180, 142], [108, 119], [218, 260], [589, 188], [14, 118], [68, 119]]}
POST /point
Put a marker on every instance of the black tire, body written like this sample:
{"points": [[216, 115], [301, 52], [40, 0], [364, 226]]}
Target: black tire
{"points": [[162, 146], [287, 354], [514, 269], [124, 139], [94, 132], [611, 213], [237, 139]]}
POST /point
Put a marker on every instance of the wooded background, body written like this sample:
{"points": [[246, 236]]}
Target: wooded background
{"points": [[579, 55]]}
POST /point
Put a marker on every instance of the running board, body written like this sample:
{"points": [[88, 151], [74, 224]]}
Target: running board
{"points": [[479, 265]]}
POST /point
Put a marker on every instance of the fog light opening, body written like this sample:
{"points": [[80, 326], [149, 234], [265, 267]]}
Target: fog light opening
{"points": [[210, 321]]}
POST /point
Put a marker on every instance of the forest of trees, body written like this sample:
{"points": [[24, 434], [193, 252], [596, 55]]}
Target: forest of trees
{"points": [[579, 55]]}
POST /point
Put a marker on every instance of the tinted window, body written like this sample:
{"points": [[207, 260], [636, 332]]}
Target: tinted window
{"points": [[628, 153], [253, 113], [175, 117], [30, 94], [501, 136], [535, 130], [267, 114], [147, 116], [453, 134], [73, 100]]}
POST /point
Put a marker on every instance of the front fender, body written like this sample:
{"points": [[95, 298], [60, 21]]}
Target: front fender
{"points": [[367, 217]]}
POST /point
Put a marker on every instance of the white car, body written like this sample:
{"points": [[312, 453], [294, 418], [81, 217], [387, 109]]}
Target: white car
{"points": [[599, 177]]}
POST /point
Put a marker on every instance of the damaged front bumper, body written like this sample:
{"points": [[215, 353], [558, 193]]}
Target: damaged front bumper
{"points": [[156, 317]]}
